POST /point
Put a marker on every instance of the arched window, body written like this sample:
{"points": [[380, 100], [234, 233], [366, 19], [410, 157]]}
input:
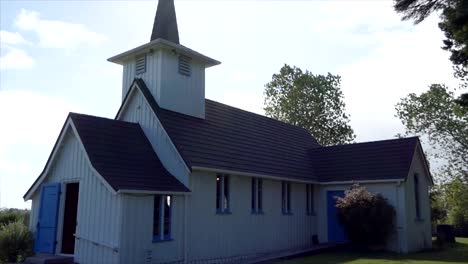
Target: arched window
{"points": [[416, 196]]}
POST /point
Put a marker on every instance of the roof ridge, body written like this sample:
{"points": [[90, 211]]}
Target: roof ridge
{"points": [[369, 142]]}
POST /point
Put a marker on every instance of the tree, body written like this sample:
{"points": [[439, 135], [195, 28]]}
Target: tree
{"points": [[436, 115], [367, 218], [314, 102], [454, 24]]}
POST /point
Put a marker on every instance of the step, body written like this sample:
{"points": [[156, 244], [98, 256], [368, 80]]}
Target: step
{"points": [[49, 259]]}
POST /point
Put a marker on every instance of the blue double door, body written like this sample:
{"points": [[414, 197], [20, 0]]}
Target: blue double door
{"points": [[46, 231], [336, 232]]}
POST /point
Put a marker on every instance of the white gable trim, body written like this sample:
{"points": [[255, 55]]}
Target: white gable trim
{"points": [[68, 126], [124, 108], [421, 158]]}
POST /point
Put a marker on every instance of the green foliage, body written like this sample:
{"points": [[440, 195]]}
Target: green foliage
{"points": [[438, 207], [367, 218], [436, 115], [16, 242], [13, 215], [314, 102], [456, 194]]}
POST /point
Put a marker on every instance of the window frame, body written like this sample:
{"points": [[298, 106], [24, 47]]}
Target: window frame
{"points": [[310, 206], [286, 198], [160, 200], [256, 198], [417, 197], [223, 194]]}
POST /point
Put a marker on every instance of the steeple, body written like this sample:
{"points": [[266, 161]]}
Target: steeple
{"points": [[165, 22]]}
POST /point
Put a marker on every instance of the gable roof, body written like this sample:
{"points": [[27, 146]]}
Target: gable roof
{"points": [[368, 161], [236, 140], [122, 154]]}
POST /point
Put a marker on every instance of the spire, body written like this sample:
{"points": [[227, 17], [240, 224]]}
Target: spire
{"points": [[165, 22]]}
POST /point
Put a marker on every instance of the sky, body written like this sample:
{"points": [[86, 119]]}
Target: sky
{"points": [[53, 60]]}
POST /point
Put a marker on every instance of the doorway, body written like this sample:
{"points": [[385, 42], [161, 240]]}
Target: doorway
{"points": [[336, 232], [69, 218]]}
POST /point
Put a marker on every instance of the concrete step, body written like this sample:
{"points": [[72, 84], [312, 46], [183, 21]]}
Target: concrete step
{"points": [[49, 259]]}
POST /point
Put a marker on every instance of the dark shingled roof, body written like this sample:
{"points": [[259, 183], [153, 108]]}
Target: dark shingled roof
{"points": [[378, 160], [233, 139], [122, 154]]}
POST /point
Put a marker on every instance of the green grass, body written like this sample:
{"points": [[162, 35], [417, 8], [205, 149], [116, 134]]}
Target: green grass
{"points": [[454, 254]]}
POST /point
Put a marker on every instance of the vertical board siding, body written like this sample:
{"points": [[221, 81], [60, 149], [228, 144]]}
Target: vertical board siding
{"points": [[98, 209], [387, 190], [218, 236], [419, 234], [137, 231], [138, 111]]}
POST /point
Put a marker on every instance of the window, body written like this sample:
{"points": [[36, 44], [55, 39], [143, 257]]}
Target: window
{"points": [[256, 196], [140, 64], [286, 197], [184, 65], [310, 199], [416, 196], [162, 218], [222, 193]]}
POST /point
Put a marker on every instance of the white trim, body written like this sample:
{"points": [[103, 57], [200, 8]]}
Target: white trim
{"points": [[127, 191], [123, 108], [196, 168], [161, 44], [397, 181], [68, 125]]}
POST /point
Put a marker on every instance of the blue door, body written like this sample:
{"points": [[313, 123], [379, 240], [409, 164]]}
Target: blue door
{"points": [[47, 222], [336, 233]]}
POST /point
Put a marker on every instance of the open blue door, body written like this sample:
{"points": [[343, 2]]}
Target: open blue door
{"points": [[336, 233], [46, 231]]}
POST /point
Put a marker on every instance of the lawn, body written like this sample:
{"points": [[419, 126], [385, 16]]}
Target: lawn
{"points": [[455, 254]]}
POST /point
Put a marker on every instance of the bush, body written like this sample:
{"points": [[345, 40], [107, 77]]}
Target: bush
{"points": [[16, 242], [368, 219], [14, 215]]}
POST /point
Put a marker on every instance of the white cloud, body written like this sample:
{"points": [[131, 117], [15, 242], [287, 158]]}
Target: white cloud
{"points": [[16, 59], [55, 33], [31, 123], [13, 38]]}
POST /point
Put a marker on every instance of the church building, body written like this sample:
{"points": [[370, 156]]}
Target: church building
{"points": [[178, 178]]}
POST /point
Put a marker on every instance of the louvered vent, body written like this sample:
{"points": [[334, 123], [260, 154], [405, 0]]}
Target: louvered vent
{"points": [[140, 65], [184, 65]]}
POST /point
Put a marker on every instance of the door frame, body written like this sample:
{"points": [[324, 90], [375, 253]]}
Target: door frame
{"points": [[61, 214]]}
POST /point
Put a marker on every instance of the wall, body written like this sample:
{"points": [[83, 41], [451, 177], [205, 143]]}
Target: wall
{"points": [[139, 111], [217, 236], [172, 90], [137, 231], [98, 209], [419, 230], [392, 191]]}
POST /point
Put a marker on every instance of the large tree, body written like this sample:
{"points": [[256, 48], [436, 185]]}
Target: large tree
{"points": [[314, 102], [437, 115]]}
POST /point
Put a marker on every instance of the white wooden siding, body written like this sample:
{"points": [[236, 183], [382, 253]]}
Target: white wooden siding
{"points": [[139, 111], [218, 236], [419, 231], [137, 231], [98, 216], [172, 90], [391, 191]]}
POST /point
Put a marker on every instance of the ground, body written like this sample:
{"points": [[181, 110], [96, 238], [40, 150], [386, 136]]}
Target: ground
{"points": [[455, 254]]}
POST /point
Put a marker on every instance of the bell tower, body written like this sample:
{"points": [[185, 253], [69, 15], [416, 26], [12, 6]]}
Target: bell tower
{"points": [[174, 74]]}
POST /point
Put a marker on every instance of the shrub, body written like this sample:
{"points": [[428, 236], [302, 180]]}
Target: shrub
{"points": [[367, 218], [14, 215], [16, 242]]}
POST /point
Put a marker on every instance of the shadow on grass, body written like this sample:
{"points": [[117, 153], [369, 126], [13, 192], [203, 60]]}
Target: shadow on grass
{"points": [[454, 253]]}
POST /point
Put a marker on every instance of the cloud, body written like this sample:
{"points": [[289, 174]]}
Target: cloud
{"points": [[15, 59], [15, 38], [55, 33], [26, 139]]}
